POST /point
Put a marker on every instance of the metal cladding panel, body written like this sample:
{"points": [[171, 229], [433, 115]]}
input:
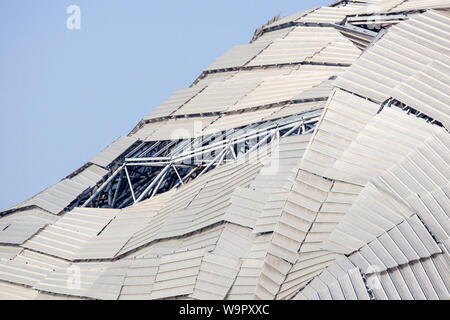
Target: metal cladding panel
{"points": [[234, 242], [57, 197], [113, 151], [183, 128], [246, 281], [238, 55], [340, 51], [368, 147], [176, 101], [298, 45], [409, 241], [391, 192], [108, 285], [434, 209], [121, 229], [245, 207], [21, 226], [90, 176], [299, 212], [16, 292], [177, 274], [29, 268], [231, 121], [281, 89], [419, 280], [217, 275], [420, 4], [273, 273], [413, 54], [67, 236], [297, 108], [274, 34], [148, 129], [331, 14], [9, 252], [140, 277], [59, 281], [307, 266], [209, 78], [198, 205], [289, 19], [327, 286], [336, 136], [218, 96]]}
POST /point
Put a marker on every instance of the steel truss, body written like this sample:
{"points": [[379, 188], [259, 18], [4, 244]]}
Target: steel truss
{"points": [[156, 167]]}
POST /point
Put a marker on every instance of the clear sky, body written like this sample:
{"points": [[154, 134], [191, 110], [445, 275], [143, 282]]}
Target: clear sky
{"points": [[67, 94]]}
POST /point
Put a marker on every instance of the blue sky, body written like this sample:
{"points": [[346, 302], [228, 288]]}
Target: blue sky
{"points": [[67, 94]]}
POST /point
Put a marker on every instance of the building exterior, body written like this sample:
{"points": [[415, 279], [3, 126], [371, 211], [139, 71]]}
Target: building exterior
{"points": [[310, 163]]}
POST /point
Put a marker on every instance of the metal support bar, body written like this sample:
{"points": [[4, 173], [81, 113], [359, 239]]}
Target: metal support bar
{"points": [[212, 162], [116, 193], [129, 183], [178, 175], [159, 184], [103, 186], [144, 193]]}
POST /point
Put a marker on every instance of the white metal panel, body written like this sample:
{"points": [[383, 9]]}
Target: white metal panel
{"points": [[177, 274], [113, 151], [174, 102], [216, 276]]}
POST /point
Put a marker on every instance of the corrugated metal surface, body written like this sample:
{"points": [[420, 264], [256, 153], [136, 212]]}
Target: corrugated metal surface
{"points": [[353, 143], [408, 241], [60, 280], [238, 55], [29, 268], [14, 292], [148, 129], [177, 274], [67, 236], [433, 208], [301, 208], [113, 151], [216, 276], [331, 14], [218, 96], [281, 89], [234, 242], [21, 226], [199, 205], [226, 122], [298, 45], [409, 63], [140, 277], [307, 266], [289, 19], [9, 252], [273, 273], [419, 4], [183, 128], [340, 281], [246, 281], [57, 197], [419, 280], [339, 51], [245, 207], [297, 108], [175, 102], [368, 217]]}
